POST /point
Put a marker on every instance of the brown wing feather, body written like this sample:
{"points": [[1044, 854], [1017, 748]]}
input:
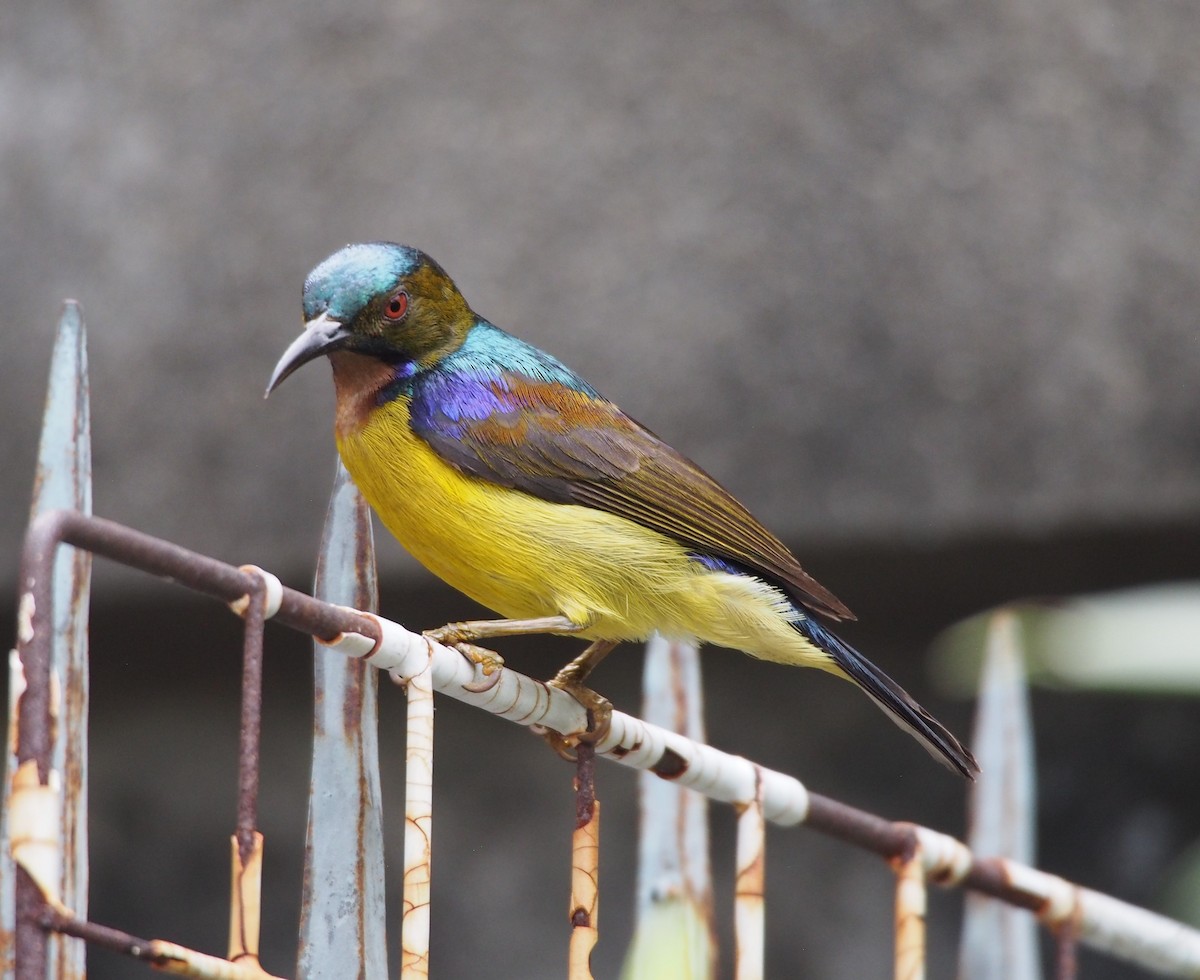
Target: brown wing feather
{"points": [[670, 494]]}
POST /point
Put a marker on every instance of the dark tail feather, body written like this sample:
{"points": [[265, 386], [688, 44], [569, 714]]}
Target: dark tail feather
{"points": [[894, 700]]}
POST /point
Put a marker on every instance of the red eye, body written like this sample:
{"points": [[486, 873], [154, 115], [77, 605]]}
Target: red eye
{"points": [[397, 306]]}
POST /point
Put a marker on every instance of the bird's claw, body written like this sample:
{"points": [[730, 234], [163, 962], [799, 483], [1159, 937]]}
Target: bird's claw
{"points": [[452, 635], [599, 716], [487, 663]]}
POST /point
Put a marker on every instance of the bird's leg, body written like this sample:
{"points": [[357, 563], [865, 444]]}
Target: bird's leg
{"points": [[482, 629], [572, 676], [459, 635], [599, 709]]}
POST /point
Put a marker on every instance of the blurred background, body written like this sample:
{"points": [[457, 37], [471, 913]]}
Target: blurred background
{"points": [[916, 280]]}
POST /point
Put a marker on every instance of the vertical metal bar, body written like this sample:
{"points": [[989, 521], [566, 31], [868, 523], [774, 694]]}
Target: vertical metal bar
{"points": [[1000, 942], [585, 866], [250, 732], [911, 902], [749, 913], [245, 905], [34, 797], [675, 938], [63, 480], [343, 914], [418, 826], [1066, 950]]}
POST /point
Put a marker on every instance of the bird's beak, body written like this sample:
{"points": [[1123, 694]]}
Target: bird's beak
{"points": [[321, 335]]}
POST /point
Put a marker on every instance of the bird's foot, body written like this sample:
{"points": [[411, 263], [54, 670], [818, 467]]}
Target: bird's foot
{"points": [[599, 715], [487, 663], [454, 635]]}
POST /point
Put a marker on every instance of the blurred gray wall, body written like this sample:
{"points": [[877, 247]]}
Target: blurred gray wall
{"points": [[887, 269], [918, 280]]}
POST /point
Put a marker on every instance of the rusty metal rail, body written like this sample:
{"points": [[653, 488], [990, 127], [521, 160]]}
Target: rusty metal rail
{"points": [[1099, 921]]}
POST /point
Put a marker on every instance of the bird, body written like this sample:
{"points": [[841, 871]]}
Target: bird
{"points": [[515, 481]]}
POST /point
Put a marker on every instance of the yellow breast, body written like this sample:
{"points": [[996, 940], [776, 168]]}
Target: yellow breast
{"points": [[510, 551]]}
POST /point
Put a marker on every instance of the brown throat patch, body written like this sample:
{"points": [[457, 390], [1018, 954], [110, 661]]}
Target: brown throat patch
{"points": [[357, 380]]}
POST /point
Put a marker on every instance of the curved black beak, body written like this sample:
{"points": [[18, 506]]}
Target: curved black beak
{"points": [[321, 335]]}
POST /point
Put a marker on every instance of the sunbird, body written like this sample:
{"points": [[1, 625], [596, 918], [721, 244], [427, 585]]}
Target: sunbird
{"points": [[518, 483]]}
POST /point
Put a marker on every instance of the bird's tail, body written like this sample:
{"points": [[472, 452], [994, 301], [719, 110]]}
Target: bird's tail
{"points": [[896, 703]]}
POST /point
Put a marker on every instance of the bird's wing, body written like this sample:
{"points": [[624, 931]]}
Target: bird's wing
{"points": [[569, 446]]}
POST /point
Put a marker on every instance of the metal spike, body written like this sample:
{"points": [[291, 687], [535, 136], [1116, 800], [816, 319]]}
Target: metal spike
{"points": [[343, 916], [63, 480], [1000, 942]]}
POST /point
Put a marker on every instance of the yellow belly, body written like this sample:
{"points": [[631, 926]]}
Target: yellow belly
{"points": [[525, 557]]}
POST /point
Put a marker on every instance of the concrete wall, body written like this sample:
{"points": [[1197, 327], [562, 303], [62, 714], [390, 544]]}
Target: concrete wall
{"points": [[887, 269]]}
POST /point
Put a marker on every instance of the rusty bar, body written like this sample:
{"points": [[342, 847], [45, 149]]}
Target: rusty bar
{"points": [[343, 909], [245, 905], [999, 942], [103, 936], [251, 724], [8, 868], [675, 928], [862, 829], [161, 955], [8, 896], [992, 876], [418, 825], [749, 901], [1065, 953], [174, 563], [585, 867], [910, 918], [31, 947]]}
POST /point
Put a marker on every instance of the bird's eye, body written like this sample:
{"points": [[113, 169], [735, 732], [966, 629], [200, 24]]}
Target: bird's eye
{"points": [[397, 306]]}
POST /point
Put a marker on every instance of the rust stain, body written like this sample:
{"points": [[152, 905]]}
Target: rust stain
{"points": [[360, 857], [364, 544], [908, 847], [318, 710], [993, 876], [679, 688], [670, 765], [353, 697], [585, 784]]}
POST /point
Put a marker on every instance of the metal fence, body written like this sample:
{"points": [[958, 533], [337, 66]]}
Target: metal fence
{"points": [[44, 925]]}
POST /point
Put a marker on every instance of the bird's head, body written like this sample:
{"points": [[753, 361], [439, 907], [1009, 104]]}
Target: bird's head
{"points": [[382, 300]]}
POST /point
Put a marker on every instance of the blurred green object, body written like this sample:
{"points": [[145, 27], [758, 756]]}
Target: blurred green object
{"points": [[672, 942], [1181, 896], [1144, 640]]}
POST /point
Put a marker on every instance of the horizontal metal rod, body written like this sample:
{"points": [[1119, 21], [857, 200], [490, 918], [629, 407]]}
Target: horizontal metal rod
{"points": [[1105, 923], [159, 954], [149, 554]]}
